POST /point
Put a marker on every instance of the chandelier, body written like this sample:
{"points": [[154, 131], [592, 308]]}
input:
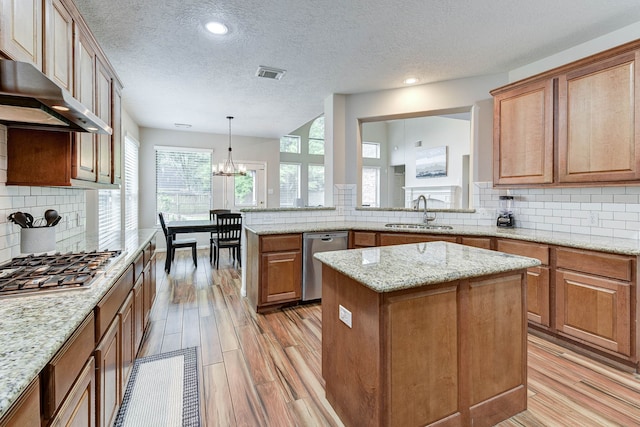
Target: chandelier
{"points": [[228, 168]]}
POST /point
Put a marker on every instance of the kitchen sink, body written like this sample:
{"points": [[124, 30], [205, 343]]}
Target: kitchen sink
{"points": [[420, 226]]}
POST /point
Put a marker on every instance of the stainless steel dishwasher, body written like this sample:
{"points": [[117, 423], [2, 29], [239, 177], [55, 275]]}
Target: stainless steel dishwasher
{"points": [[311, 267]]}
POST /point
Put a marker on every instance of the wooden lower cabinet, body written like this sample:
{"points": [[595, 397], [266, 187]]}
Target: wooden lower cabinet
{"points": [[127, 332], [138, 314], [477, 242], [147, 292], [281, 277], [78, 409], [538, 295], [273, 270], [595, 310], [26, 411], [108, 375], [538, 278]]}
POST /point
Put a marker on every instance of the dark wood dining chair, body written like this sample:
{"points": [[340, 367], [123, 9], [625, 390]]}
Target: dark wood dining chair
{"points": [[179, 243], [229, 230], [213, 215]]}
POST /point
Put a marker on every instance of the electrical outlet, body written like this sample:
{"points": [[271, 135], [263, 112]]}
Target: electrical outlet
{"points": [[345, 315], [594, 218]]}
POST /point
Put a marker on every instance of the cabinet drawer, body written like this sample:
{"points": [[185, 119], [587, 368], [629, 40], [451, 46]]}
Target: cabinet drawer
{"points": [[363, 238], [148, 251], [388, 239], [60, 374], [608, 265], [530, 250], [110, 304], [281, 242], [477, 242]]}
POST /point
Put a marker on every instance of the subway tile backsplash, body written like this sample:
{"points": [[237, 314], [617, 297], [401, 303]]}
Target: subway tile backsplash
{"points": [[601, 211], [69, 202]]}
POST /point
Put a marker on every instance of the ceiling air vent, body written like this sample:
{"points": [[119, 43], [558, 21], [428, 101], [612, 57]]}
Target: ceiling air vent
{"points": [[270, 72]]}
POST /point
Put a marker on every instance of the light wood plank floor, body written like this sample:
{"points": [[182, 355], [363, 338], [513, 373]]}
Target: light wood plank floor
{"points": [[264, 370]]}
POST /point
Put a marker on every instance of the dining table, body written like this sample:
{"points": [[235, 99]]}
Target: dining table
{"points": [[184, 227]]}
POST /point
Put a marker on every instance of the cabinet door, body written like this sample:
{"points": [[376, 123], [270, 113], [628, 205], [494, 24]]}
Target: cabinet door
{"points": [[21, 30], [281, 277], [138, 313], [597, 138], [103, 110], [148, 292], [116, 137], [84, 164], [79, 409], [595, 310], [523, 135], [538, 295], [127, 332], [58, 61], [363, 239], [108, 375]]}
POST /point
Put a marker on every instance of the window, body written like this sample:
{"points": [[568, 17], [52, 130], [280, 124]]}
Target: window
{"points": [[131, 150], [245, 189], [289, 184], [183, 183], [371, 186], [371, 150], [290, 144], [108, 214], [315, 188], [316, 137]]}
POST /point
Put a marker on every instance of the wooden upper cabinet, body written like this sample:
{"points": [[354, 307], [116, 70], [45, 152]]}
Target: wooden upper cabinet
{"points": [[21, 30], [598, 121], [84, 161], [58, 54], [103, 110], [116, 137], [523, 134]]}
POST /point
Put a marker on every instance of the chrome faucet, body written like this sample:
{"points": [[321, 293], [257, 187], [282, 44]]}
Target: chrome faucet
{"points": [[425, 216]]}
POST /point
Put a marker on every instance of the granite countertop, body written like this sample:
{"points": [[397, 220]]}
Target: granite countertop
{"points": [[579, 241], [392, 268], [33, 328]]}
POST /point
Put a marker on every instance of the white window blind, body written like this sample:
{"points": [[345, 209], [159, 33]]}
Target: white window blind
{"points": [[316, 185], [131, 156], [108, 214], [370, 186], [289, 184], [183, 183]]}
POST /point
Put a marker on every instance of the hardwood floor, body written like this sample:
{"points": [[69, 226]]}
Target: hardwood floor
{"points": [[265, 370]]}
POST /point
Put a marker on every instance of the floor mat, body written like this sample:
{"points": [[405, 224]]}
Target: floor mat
{"points": [[162, 391]]}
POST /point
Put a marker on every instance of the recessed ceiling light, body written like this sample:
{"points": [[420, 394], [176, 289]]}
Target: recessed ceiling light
{"points": [[410, 81], [182, 125], [217, 28]]}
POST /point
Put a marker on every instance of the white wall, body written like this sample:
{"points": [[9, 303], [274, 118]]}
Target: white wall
{"points": [[245, 149], [448, 95]]}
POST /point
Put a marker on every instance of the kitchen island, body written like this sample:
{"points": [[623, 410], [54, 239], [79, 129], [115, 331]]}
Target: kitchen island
{"points": [[424, 334]]}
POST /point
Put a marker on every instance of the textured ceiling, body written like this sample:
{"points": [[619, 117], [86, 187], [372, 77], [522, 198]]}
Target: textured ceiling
{"points": [[174, 72]]}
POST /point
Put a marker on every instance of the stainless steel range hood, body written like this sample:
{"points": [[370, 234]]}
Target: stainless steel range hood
{"points": [[29, 99]]}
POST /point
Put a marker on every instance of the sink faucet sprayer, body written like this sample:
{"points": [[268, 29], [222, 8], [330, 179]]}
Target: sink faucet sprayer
{"points": [[425, 217]]}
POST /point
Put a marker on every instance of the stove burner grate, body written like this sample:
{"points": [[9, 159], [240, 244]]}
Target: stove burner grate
{"points": [[37, 273]]}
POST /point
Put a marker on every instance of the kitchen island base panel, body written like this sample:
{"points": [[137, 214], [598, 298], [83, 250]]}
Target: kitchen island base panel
{"points": [[448, 355]]}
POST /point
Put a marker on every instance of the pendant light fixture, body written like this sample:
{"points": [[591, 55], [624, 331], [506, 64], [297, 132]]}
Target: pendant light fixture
{"points": [[228, 168]]}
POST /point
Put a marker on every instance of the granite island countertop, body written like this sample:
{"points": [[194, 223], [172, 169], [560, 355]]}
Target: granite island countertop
{"points": [[33, 328], [393, 268], [630, 246]]}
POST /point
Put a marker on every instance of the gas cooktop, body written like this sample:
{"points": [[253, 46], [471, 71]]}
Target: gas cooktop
{"points": [[38, 273]]}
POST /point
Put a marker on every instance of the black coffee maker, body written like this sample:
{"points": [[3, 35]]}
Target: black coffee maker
{"points": [[505, 212]]}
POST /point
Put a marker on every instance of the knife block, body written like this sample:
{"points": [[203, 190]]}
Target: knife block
{"points": [[37, 240]]}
